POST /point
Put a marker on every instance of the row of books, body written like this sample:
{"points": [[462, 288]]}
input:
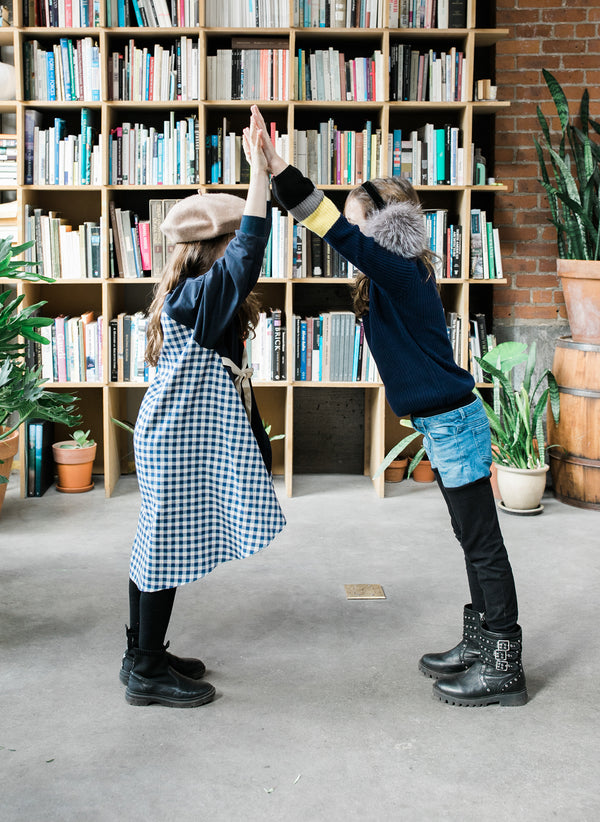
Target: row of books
{"points": [[276, 253], [338, 13], [152, 13], [247, 73], [64, 252], [454, 328], [70, 70], [325, 74], [74, 349], [313, 257], [157, 73], [480, 342], [486, 258], [331, 156], [145, 155], [39, 462], [266, 349], [8, 159], [266, 14], [131, 243], [429, 75], [9, 220], [446, 242], [53, 157], [61, 14], [225, 158], [425, 14], [436, 155], [332, 348]]}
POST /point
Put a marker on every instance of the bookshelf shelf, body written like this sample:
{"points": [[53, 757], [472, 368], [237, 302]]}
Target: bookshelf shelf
{"points": [[111, 296]]}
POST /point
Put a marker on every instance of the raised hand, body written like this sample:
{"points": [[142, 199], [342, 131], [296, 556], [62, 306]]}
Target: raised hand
{"points": [[275, 163]]}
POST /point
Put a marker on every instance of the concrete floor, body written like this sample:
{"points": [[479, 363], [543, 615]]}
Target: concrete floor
{"points": [[321, 713]]}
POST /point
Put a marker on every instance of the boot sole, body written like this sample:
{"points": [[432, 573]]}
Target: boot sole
{"points": [[429, 672], [506, 700], [140, 700]]}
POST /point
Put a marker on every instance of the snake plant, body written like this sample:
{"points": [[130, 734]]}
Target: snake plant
{"points": [[516, 418], [572, 176]]}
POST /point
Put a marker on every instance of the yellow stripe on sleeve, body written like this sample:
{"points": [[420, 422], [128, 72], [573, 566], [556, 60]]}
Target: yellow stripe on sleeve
{"points": [[323, 217]]}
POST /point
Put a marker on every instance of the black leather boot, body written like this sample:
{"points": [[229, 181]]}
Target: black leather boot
{"points": [[495, 679], [152, 679], [459, 658], [186, 666]]}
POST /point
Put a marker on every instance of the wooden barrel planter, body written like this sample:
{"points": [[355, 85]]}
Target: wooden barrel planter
{"points": [[575, 467]]}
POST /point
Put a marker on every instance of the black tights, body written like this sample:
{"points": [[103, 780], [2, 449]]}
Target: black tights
{"points": [[475, 523], [149, 613]]}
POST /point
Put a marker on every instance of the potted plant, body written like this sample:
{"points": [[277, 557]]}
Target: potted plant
{"points": [[516, 422], [573, 195], [396, 466], [74, 460], [22, 392]]}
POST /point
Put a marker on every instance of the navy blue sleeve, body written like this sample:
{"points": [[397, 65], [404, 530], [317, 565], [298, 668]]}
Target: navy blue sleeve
{"points": [[392, 273], [210, 302]]}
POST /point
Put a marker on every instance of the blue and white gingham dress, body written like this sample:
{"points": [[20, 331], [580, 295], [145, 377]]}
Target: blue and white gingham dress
{"points": [[206, 494]]}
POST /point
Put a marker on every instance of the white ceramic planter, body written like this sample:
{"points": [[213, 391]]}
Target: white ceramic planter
{"points": [[521, 488]]}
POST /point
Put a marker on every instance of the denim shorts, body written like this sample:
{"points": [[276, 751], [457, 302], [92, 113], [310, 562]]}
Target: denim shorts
{"points": [[458, 443]]}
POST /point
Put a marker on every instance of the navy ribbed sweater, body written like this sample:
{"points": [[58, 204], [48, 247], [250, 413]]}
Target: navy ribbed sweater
{"points": [[405, 326]]}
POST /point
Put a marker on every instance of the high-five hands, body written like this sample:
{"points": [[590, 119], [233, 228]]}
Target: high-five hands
{"points": [[275, 163]]}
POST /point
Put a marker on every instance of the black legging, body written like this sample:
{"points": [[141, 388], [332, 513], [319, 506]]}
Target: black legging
{"points": [[149, 613], [475, 523]]}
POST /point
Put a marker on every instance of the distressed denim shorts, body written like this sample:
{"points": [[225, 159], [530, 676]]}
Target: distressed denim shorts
{"points": [[458, 443]]}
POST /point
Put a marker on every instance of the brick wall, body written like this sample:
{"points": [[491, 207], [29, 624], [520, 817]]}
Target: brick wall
{"points": [[562, 37]]}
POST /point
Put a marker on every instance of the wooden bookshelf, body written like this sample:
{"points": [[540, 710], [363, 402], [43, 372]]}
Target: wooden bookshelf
{"points": [[99, 402]]}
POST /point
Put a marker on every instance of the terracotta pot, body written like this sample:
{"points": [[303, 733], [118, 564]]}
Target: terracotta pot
{"points": [[74, 466], [396, 470], [521, 489], [581, 286], [8, 449], [423, 472]]}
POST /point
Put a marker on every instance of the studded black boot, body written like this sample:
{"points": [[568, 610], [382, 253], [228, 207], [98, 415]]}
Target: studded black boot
{"points": [[495, 679], [153, 680], [186, 666], [459, 658]]}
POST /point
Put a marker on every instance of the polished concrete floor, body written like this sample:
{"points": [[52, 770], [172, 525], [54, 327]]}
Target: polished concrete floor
{"points": [[321, 713]]}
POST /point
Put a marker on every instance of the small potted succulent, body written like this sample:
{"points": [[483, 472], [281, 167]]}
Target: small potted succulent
{"points": [[74, 460]]}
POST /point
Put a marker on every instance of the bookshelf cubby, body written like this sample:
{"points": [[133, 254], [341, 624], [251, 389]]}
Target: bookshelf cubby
{"points": [[108, 296]]}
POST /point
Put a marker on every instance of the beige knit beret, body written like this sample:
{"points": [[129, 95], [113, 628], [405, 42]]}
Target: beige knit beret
{"points": [[202, 217]]}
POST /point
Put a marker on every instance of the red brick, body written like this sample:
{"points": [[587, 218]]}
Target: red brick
{"points": [[521, 46], [502, 312], [587, 30], [510, 296], [544, 296], [536, 281], [558, 297], [535, 312], [562, 312]]}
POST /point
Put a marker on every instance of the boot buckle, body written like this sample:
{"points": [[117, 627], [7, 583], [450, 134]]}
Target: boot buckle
{"points": [[501, 665]]}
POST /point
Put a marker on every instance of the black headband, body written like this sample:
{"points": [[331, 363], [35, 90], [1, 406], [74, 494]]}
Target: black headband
{"points": [[373, 194]]}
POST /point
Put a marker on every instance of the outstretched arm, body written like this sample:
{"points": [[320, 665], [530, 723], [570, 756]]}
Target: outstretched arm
{"points": [[275, 163]]}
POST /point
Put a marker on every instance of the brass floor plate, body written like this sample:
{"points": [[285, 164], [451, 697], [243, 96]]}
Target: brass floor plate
{"points": [[364, 592]]}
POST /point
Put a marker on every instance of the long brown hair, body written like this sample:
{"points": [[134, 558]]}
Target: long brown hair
{"points": [[392, 190], [191, 260]]}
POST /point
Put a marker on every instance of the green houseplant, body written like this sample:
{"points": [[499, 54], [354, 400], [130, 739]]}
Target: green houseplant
{"points": [[516, 422], [570, 175], [22, 392], [394, 453]]}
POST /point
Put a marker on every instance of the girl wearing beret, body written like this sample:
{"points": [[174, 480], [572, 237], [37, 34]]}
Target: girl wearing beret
{"points": [[203, 458], [383, 236]]}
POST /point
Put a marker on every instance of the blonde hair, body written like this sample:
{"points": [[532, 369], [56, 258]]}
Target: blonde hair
{"points": [[191, 260], [392, 190]]}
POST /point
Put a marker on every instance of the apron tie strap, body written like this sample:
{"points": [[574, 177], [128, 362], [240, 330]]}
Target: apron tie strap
{"points": [[241, 380]]}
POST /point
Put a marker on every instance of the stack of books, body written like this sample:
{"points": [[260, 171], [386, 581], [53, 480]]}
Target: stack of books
{"points": [[53, 157], [486, 258], [332, 348], [8, 159], [330, 156], [158, 73], [74, 349], [70, 70], [339, 13], [267, 14], [64, 251], [325, 74], [267, 348], [248, 73]]}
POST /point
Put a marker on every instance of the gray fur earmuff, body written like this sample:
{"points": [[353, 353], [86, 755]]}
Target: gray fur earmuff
{"points": [[399, 228]]}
